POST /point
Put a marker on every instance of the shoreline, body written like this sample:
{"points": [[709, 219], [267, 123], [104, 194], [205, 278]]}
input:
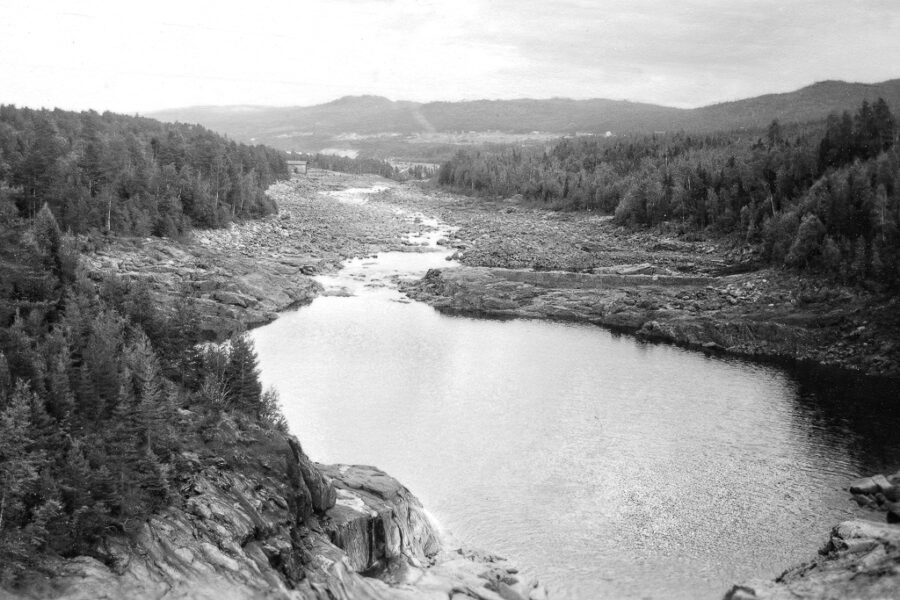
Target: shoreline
{"points": [[288, 249], [523, 262]]}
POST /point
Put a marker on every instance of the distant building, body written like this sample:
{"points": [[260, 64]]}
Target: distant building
{"points": [[296, 168]]}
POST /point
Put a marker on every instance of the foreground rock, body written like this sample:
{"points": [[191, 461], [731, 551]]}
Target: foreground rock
{"points": [[860, 560], [266, 522]]}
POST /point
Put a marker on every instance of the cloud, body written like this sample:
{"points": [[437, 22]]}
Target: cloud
{"points": [[168, 53]]}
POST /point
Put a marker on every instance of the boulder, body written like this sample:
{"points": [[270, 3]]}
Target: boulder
{"points": [[882, 483], [865, 485]]}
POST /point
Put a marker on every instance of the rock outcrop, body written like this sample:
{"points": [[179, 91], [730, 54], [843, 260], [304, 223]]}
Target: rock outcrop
{"points": [[860, 560], [685, 310], [229, 290], [266, 522]]}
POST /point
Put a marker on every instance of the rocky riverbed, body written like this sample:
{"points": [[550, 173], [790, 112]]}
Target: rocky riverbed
{"points": [[525, 262], [244, 275]]}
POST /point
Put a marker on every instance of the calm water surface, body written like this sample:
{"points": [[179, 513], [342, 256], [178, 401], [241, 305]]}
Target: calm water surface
{"points": [[607, 467]]}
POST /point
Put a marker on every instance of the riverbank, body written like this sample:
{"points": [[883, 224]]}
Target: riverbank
{"points": [[256, 518], [860, 559], [244, 275], [524, 262]]}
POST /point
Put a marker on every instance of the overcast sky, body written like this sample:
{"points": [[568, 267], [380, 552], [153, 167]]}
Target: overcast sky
{"points": [[108, 56]]}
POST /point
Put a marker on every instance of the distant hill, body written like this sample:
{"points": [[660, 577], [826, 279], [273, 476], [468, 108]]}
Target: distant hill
{"points": [[356, 114], [806, 104], [352, 120]]}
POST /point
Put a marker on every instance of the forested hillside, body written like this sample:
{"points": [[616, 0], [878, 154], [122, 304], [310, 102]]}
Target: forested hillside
{"points": [[102, 391], [358, 121], [101, 388], [130, 175], [820, 197]]}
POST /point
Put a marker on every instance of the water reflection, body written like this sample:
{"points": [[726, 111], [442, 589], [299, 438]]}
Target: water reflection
{"points": [[860, 415]]}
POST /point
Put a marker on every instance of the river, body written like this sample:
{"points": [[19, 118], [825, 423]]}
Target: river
{"points": [[607, 467]]}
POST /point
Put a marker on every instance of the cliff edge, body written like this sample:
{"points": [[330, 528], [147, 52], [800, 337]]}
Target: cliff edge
{"points": [[263, 521]]}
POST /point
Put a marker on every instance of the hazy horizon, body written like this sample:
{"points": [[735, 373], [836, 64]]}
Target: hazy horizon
{"points": [[95, 54], [435, 100]]}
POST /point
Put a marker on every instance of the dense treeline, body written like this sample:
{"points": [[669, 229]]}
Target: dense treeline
{"points": [[101, 392], [130, 175], [819, 196], [374, 166]]}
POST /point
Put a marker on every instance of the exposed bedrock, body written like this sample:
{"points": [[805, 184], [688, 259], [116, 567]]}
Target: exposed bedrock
{"points": [[280, 526], [860, 560], [707, 313]]}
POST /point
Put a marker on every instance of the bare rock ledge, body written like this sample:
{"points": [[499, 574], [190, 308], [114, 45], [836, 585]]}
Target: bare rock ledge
{"points": [[285, 528]]}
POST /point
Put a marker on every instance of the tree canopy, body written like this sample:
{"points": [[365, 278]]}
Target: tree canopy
{"points": [[819, 196], [130, 175]]}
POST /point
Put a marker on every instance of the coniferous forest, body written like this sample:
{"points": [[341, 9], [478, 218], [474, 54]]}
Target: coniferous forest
{"points": [[363, 164], [821, 197], [102, 389], [130, 175]]}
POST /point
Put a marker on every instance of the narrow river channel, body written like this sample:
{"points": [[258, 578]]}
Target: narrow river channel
{"points": [[607, 467]]}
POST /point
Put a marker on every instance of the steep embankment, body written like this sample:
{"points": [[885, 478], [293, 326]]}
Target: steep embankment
{"points": [[522, 262], [258, 519]]}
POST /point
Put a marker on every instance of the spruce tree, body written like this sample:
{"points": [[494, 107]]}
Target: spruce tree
{"points": [[242, 377], [18, 470], [48, 239]]}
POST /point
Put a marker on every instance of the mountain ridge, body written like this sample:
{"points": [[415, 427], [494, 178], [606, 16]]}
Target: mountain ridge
{"points": [[371, 115]]}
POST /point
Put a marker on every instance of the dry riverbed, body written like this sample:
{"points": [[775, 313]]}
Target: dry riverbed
{"points": [[525, 262], [244, 275]]}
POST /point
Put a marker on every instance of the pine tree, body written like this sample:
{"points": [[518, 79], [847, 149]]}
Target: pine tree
{"points": [[48, 239], [18, 470], [242, 377]]}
